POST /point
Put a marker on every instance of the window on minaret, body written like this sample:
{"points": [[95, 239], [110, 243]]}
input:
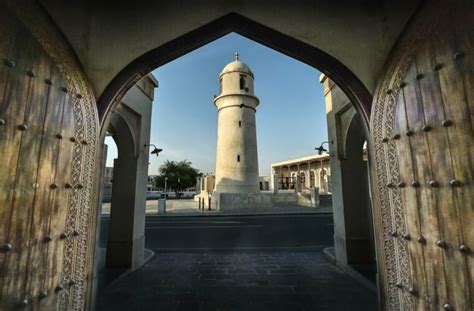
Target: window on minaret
{"points": [[242, 82], [238, 158], [240, 123]]}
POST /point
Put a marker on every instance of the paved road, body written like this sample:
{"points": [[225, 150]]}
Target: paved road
{"points": [[168, 233]]}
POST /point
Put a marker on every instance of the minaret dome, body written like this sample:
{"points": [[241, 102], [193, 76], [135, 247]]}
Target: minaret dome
{"points": [[237, 79]]}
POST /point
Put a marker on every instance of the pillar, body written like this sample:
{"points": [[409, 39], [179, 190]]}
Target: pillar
{"points": [[275, 183], [130, 123], [353, 230], [126, 242]]}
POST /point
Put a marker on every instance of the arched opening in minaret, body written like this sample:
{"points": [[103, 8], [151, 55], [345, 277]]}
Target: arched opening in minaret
{"points": [[298, 110]]}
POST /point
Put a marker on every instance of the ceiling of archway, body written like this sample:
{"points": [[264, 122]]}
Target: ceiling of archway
{"points": [[109, 35]]}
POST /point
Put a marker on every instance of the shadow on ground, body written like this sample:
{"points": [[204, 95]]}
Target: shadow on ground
{"points": [[237, 281]]}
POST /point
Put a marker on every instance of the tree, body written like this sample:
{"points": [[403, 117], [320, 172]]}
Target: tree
{"points": [[180, 175]]}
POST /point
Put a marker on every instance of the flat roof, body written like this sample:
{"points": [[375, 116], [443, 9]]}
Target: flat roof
{"points": [[309, 158]]}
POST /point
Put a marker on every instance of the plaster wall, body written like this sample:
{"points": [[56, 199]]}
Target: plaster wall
{"points": [[353, 238], [107, 35], [236, 158], [235, 201], [130, 125]]}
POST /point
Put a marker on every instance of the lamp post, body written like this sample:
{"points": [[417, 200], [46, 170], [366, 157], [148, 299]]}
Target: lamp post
{"points": [[321, 149], [156, 150], [179, 187], [166, 182]]}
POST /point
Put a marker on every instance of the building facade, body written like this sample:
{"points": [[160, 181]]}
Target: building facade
{"points": [[313, 171]]}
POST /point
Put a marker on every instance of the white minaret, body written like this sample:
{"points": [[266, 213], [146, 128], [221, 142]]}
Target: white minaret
{"points": [[236, 161]]}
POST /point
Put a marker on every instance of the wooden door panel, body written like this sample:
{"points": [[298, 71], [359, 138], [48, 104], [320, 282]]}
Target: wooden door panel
{"points": [[409, 199], [426, 92], [48, 137]]}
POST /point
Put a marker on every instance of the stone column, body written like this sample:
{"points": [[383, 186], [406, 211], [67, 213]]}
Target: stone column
{"points": [[275, 183], [308, 176], [126, 241], [298, 183], [314, 196]]}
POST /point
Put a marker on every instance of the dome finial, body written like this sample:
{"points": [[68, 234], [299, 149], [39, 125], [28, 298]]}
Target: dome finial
{"points": [[236, 55]]}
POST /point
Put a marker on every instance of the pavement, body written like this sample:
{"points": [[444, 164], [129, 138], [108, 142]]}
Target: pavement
{"points": [[237, 281], [221, 262]]}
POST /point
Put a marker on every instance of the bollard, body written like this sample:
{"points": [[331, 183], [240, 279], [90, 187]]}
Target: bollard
{"points": [[161, 206]]}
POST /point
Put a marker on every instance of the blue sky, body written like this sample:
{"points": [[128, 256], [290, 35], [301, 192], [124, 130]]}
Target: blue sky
{"points": [[291, 118]]}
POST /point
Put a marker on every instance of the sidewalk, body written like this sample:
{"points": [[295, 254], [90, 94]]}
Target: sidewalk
{"points": [[189, 207]]}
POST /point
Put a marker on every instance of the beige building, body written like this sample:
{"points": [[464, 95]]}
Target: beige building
{"points": [[313, 171]]}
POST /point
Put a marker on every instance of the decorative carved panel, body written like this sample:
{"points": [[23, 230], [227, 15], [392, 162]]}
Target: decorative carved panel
{"points": [[48, 138], [423, 137]]}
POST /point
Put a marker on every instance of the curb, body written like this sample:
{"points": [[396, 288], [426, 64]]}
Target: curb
{"points": [[297, 249], [240, 214]]}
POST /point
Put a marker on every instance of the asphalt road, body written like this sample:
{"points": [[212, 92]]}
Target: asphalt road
{"points": [[191, 233]]}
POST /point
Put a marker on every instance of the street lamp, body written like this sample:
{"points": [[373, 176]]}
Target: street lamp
{"points": [[166, 181], [321, 149], [156, 150]]}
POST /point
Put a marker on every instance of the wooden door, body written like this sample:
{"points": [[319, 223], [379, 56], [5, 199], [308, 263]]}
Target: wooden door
{"points": [[422, 126], [48, 135]]}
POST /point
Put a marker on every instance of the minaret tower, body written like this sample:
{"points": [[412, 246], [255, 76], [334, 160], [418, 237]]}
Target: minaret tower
{"points": [[236, 161]]}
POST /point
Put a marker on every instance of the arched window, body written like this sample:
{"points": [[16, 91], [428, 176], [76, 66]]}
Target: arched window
{"points": [[302, 180], [311, 178], [242, 82]]}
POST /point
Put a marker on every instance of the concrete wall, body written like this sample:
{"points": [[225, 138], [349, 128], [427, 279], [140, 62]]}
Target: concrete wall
{"points": [[236, 201], [108, 35]]}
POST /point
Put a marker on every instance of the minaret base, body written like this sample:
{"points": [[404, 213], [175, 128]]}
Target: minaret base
{"points": [[252, 202]]}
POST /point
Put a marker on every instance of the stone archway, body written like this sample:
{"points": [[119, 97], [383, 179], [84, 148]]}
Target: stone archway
{"points": [[125, 243], [424, 264], [233, 22], [354, 243]]}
